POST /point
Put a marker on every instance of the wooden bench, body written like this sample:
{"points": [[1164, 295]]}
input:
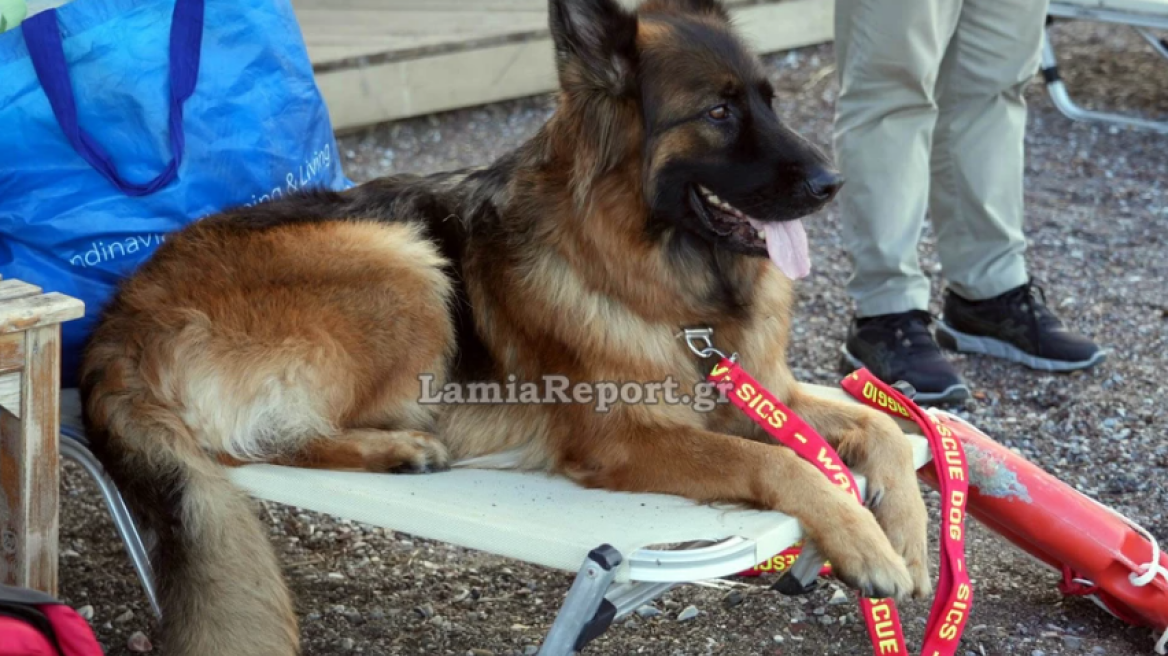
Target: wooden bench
{"points": [[30, 363]]}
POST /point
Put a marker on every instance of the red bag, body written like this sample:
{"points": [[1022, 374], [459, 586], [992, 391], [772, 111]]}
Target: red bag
{"points": [[35, 624]]}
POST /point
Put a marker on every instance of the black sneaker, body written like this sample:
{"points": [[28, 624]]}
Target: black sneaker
{"points": [[899, 347], [1015, 326]]}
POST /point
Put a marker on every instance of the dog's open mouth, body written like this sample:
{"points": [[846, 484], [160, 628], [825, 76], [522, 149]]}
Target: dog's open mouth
{"points": [[785, 242]]}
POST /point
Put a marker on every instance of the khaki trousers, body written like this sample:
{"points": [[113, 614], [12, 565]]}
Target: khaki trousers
{"points": [[931, 117]]}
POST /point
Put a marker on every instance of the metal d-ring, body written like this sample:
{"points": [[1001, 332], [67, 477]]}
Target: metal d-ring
{"points": [[701, 342]]}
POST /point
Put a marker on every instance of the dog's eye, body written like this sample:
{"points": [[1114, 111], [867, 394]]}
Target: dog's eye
{"points": [[719, 113]]}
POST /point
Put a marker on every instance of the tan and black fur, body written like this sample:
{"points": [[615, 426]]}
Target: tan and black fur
{"points": [[295, 332]]}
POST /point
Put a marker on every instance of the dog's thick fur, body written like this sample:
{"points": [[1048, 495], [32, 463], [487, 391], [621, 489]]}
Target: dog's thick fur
{"points": [[296, 332]]}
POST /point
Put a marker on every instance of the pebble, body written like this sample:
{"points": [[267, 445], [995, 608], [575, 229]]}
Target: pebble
{"points": [[1098, 650], [826, 620], [838, 597], [348, 644], [733, 599], [480, 652], [1073, 642], [139, 643], [336, 576], [425, 611], [647, 611], [124, 617], [689, 613], [86, 612], [1037, 652], [530, 650], [778, 639]]}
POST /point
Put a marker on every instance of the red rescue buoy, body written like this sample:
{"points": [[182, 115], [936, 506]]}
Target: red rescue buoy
{"points": [[1099, 553]]}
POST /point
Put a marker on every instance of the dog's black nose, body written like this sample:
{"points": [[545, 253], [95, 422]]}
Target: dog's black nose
{"points": [[823, 184]]}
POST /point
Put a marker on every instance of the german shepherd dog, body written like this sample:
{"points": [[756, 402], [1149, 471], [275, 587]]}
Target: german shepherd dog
{"points": [[297, 332]]}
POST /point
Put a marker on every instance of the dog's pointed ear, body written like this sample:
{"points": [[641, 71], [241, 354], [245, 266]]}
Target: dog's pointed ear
{"points": [[596, 44], [709, 7]]}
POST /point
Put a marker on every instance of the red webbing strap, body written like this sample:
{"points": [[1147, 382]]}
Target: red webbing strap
{"points": [[954, 591], [782, 562], [1071, 586], [788, 429]]}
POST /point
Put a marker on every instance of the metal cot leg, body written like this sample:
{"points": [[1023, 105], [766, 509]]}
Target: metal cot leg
{"points": [[1158, 44], [585, 598], [1062, 99], [76, 451]]}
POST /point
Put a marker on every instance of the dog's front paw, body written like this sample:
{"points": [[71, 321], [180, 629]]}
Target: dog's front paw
{"points": [[862, 556], [902, 515], [894, 497], [406, 452]]}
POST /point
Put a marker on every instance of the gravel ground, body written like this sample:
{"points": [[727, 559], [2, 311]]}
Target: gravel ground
{"points": [[1098, 229]]}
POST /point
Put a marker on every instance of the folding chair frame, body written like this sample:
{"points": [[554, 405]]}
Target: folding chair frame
{"points": [[592, 604], [1142, 23]]}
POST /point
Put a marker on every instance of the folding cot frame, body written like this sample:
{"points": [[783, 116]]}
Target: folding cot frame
{"points": [[1143, 15], [614, 541]]}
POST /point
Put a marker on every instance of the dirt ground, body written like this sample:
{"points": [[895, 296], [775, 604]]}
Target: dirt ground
{"points": [[1098, 231]]}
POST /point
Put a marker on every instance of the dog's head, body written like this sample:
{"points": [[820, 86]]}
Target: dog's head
{"points": [[675, 83]]}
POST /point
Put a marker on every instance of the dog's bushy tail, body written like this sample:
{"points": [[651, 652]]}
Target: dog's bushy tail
{"points": [[219, 582]]}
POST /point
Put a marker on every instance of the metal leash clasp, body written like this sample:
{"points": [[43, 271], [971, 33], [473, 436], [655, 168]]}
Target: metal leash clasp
{"points": [[701, 342]]}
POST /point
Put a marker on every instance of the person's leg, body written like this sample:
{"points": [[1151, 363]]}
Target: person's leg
{"points": [[975, 200], [888, 53]]}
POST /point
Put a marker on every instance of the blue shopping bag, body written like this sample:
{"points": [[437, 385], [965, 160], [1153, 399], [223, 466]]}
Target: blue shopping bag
{"points": [[124, 120]]}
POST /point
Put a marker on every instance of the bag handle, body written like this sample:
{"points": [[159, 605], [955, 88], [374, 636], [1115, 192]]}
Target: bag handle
{"points": [[43, 38]]}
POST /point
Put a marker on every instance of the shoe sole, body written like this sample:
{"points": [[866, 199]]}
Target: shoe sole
{"points": [[952, 394], [955, 340]]}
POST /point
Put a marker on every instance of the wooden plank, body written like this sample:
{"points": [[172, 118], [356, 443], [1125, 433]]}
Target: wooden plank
{"points": [[12, 289], [342, 6], [11, 352], [29, 470], [10, 393], [333, 37], [36, 311], [338, 32], [363, 95], [786, 25]]}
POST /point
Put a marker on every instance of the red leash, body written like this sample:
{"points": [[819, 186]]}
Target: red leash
{"points": [[954, 592]]}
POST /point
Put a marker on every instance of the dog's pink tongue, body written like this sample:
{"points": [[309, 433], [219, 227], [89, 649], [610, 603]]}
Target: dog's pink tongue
{"points": [[787, 246]]}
